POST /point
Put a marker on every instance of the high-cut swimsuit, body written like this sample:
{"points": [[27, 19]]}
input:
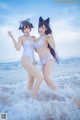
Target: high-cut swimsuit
{"points": [[39, 45], [28, 49]]}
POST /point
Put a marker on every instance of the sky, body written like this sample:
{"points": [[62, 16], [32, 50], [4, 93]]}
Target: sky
{"points": [[64, 22]]}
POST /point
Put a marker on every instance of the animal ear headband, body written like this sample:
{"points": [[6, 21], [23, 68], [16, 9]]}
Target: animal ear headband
{"points": [[41, 20], [23, 23], [27, 20]]}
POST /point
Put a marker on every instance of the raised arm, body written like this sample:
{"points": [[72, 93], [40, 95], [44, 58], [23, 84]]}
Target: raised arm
{"points": [[16, 44], [51, 41]]}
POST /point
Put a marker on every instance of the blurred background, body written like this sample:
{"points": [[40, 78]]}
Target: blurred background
{"points": [[64, 21]]}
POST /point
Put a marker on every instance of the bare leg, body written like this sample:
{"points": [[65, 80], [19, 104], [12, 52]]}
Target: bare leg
{"points": [[30, 82], [34, 72], [47, 72]]}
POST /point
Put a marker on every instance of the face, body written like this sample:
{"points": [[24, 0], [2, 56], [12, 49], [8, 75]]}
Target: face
{"points": [[26, 30], [42, 30]]}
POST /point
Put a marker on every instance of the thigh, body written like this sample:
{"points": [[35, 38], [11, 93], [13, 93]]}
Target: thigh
{"points": [[30, 67], [48, 68], [30, 78], [43, 70]]}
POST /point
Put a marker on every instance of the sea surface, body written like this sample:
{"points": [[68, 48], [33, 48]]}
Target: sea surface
{"points": [[63, 104]]}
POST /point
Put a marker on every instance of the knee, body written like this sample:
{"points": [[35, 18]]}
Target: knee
{"points": [[40, 77], [31, 81], [46, 78]]}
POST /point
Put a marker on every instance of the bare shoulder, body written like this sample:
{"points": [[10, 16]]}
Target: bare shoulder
{"points": [[20, 39], [33, 38], [49, 36]]}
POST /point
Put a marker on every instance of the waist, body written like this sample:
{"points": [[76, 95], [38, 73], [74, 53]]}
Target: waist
{"points": [[30, 56], [29, 52], [42, 53], [45, 55]]}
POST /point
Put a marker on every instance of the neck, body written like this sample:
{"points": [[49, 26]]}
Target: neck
{"points": [[26, 34], [42, 34]]}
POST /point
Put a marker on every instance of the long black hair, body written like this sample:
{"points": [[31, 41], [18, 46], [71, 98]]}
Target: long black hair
{"points": [[25, 23], [48, 31]]}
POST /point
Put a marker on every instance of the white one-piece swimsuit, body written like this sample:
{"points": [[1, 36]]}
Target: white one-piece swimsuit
{"points": [[28, 49]]}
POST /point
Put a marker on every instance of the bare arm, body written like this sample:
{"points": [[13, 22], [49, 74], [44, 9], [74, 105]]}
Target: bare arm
{"points": [[51, 41], [34, 39], [16, 44]]}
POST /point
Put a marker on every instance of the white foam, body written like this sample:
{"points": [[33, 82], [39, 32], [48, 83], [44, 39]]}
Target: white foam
{"points": [[63, 104]]}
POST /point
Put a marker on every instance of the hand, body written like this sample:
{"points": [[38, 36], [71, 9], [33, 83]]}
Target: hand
{"points": [[10, 34]]}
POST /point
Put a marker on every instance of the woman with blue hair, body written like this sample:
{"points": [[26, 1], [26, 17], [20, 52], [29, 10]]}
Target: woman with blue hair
{"points": [[28, 60]]}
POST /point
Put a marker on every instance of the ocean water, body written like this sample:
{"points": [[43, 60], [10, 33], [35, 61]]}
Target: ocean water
{"points": [[64, 104]]}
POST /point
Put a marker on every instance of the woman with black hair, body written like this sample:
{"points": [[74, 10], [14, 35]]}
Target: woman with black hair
{"points": [[28, 59], [45, 46]]}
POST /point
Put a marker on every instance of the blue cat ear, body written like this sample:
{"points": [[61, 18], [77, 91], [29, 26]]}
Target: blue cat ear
{"points": [[28, 20], [47, 20], [40, 19], [32, 25], [20, 27]]}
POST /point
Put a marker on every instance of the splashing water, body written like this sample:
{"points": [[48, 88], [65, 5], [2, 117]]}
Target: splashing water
{"points": [[64, 104]]}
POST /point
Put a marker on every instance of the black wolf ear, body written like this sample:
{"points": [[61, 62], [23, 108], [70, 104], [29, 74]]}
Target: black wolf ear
{"points": [[47, 20], [40, 19]]}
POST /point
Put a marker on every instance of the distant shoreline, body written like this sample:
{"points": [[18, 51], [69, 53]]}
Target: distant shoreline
{"points": [[60, 59]]}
